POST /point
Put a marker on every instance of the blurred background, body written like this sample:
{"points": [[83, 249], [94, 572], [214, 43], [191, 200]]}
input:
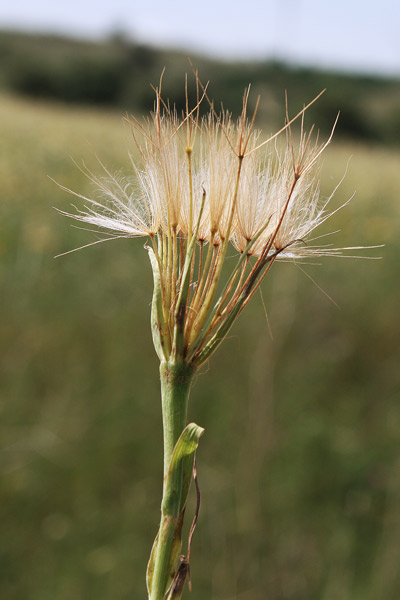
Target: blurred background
{"points": [[299, 468]]}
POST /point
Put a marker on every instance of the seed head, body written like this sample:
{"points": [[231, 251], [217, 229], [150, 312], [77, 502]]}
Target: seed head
{"points": [[203, 184]]}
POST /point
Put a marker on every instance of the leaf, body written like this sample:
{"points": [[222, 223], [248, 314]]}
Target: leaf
{"points": [[157, 320], [180, 470], [173, 559], [150, 565], [176, 491]]}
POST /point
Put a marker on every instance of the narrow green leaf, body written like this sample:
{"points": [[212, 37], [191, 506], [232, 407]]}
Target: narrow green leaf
{"points": [[157, 319], [150, 564], [173, 557], [176, 491], [180, 470]]}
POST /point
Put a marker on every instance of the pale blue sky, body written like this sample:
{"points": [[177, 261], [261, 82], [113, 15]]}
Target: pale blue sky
{"points": [[352, 34]]}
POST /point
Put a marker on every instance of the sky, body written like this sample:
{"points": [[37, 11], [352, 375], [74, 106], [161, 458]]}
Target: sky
{"points": [[353, 35]]}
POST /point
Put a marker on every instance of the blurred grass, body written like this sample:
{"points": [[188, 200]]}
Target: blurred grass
{"points": [[299, 467], [116, 72]]}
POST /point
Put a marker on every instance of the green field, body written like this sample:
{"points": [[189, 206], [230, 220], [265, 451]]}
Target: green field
{"points": [[299, 467]]}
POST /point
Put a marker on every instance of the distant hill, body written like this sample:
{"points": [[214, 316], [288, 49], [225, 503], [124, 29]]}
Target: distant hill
{"points": [[117, 73]]}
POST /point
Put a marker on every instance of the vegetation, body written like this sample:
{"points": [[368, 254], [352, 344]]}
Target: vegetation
{"points": [[302, 492], [117, 73]]}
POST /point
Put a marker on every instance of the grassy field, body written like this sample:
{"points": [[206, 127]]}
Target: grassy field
{"points": [[299, 467]]}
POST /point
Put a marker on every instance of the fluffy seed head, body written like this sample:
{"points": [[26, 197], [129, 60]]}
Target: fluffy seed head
{"points": [[199, 185]]}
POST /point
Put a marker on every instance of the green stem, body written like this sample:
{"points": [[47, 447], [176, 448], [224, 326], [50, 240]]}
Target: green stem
{"points": [[176, 379]]}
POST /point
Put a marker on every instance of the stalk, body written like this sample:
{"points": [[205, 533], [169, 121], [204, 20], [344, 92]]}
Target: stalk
{"points": [[176, 379]]}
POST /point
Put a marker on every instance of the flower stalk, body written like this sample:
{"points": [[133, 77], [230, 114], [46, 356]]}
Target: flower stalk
{"points": [[176, 379]]}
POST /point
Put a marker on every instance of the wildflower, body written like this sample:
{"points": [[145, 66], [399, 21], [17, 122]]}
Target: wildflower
{"points": [[205, 184]]}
